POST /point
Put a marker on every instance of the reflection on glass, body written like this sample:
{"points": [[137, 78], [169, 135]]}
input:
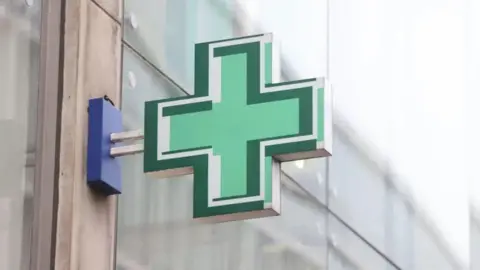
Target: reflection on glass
{"points": [[155, 225], [305, 47], [165, 31], [140, 83], [399, 227], [348, 251], [361, 195], [158, 231], [427, 251], [19, 56], [357, 191], [310, 174], [474, 238], [155, 229]]}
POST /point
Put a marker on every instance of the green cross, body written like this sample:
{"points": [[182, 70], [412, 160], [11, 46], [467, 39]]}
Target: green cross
{"points": [[236, 128]]}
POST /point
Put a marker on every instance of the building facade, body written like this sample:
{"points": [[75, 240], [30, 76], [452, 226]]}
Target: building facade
{"points": [[345, 212]]}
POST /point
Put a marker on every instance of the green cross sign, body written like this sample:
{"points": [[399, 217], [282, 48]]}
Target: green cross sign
{"points": [[235, 130]]}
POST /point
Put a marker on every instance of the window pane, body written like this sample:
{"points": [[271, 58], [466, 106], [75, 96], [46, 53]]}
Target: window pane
{"points": [[165, 31], [348, 251], [357, 191], [474, 240], [304, 48], [399, 229], [384, 78], [19, 63], [428, 252], [310, 174], [155, 225]]}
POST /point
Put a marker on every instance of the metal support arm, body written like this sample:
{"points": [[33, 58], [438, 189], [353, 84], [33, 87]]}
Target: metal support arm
{"points": [[126, 149]]}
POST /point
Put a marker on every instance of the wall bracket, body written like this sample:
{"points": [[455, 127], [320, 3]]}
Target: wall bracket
{"points": [[105, 130]]}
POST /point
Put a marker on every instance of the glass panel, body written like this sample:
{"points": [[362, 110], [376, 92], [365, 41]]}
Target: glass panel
{"points": [[357, 191], [399, 230], [19, 63], [338, 261], [309, 174], [381, 59], [141, 82], [348, 251], [428, 252], [474, 240], [165, 31], [155, 225], [359, 194], [304, 48]]}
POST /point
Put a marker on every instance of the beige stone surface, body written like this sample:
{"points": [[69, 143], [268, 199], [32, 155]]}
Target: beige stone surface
{"points": [[92, 62], [113, 7]]}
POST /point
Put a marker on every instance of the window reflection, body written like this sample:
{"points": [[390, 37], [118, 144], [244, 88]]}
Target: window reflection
{"points": [[352, 250], [310, 174], [164, 32], [155, 228], [474, 238], [357, 191], [428, 253], [19, 60]]}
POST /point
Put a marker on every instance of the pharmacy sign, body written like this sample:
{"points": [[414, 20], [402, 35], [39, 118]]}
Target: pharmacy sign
{"points": [[236, 128]]}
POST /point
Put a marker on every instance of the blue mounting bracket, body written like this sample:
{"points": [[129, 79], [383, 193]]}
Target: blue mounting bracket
{"points": [[103, 169]]}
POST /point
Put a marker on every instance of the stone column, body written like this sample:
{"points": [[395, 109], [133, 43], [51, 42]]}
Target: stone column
{"points": [[85, 237]]}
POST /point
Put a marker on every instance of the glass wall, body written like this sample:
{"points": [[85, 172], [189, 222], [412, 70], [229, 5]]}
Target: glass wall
{"points": [[342, 213], [385, 61], [165, 31], [474, 238], [19, 63]]}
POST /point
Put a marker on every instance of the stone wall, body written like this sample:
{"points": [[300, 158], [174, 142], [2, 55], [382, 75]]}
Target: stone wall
{"points": [[85, 237]]}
